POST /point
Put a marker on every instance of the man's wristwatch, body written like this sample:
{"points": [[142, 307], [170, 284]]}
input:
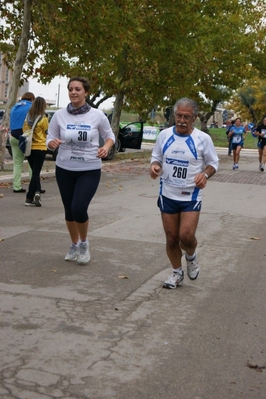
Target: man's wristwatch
{"points": [[207, 176]]}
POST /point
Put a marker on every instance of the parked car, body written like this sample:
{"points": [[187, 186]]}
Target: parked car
{"points": [[49, 114], [130, 136], [8, 145]]}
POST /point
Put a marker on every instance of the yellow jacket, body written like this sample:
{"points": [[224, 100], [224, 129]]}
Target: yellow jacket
{"points": [[39, 134]]}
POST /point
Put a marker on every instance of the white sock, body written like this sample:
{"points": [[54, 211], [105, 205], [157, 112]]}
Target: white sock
{"points": [[191, 257], [179, 270]]}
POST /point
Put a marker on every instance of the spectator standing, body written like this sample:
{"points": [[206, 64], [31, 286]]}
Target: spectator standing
{"points": [[75, 131], [17, 118], [238, 134], [261, 134], [38, 149], [184, 158], [229, 139]]}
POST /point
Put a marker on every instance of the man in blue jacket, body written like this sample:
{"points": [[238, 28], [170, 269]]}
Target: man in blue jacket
{"points": [[17, 117]]}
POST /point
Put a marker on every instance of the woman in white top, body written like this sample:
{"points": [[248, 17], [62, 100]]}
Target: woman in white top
{"points": [[76, 130]]}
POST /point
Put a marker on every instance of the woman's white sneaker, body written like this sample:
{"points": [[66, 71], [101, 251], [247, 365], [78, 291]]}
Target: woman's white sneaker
{"points": [[84, 253], [73, 253]]}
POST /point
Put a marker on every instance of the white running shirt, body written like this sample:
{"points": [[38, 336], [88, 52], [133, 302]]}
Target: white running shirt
{"points": [[182, 157], [80, 136]]}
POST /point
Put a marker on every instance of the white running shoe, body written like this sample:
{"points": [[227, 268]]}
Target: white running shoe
{"points": [[262, 167], [84, 253], [193, 268], [174, 280], [73, 253]]}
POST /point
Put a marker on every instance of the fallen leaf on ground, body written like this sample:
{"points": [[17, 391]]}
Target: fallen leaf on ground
{"points": [[125, 277], [256, 367], [5, 185]]}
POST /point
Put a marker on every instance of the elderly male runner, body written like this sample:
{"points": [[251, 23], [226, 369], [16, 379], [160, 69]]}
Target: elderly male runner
{"points": [[184, 158]]}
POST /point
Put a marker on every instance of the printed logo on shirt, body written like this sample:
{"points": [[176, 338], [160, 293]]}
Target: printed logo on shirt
{"points": [[177, 162], [178, 152], [191, 146]]}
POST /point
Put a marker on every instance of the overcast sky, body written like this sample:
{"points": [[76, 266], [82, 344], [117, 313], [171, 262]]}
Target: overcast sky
{"points": [[57, 91]]}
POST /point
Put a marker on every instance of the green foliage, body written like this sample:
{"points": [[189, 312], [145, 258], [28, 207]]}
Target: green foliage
{"points": [[150, 52], [249, 100]]}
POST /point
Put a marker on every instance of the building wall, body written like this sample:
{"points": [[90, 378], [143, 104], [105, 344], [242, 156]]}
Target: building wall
{"points": [[6, 77]]}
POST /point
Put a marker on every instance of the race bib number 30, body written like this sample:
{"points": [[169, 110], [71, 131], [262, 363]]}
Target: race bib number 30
{"points": [[175, 172], [78, 133]]}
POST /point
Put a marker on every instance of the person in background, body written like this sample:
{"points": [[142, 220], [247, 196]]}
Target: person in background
{"points": [[38, 149], [17, 118], [260, 132], [75, 131], [229, 139], [184, 158], [238, 134]]}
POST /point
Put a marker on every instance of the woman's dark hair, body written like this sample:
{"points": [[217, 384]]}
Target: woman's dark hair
{"points": [[38, 108], [85, 83]]}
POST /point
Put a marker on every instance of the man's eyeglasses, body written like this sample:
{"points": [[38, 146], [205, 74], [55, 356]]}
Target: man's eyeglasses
{"points": [[186, 117]]}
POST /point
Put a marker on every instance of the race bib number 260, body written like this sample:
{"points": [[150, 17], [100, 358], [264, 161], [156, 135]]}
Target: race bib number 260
{"points": [[176, 171]]}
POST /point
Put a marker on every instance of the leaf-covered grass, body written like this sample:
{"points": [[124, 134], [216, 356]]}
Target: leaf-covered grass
{"points": [[145, 154]]}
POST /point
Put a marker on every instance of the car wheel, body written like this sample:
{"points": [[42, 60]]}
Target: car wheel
{"points": [[111, 154], [9, 149]]}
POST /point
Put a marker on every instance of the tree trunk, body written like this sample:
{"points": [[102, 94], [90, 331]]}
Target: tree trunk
{"points": [[204, 120], [204, 126], [18, 67], [116, 115]]}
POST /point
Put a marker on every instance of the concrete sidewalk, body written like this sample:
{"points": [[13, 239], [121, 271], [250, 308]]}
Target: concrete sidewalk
{"points": [[108, 330]]}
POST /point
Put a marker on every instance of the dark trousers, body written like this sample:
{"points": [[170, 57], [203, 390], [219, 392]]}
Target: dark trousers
{"points": [[36, 160], [230, 145], [77, 190]]}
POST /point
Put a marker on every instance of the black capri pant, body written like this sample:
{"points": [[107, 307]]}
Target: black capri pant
{"points": [[77, 190]]}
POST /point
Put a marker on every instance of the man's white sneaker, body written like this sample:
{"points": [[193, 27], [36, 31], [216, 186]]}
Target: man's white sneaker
{"points": [[174, 280], [73, 253], [193, 268], [84, 253]]}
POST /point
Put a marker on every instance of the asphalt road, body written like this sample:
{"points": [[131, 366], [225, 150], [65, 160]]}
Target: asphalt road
{"points": [[109, 330]]}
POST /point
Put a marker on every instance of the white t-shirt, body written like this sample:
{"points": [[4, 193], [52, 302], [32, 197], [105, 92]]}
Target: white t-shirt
{"points": [[182, 157], [80, 136]]}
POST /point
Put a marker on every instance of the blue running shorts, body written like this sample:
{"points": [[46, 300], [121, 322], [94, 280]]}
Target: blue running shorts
{"points": [[171, 206]]}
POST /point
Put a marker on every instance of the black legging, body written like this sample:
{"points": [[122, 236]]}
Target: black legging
{"points": [[77, 190], [36, 160]]}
